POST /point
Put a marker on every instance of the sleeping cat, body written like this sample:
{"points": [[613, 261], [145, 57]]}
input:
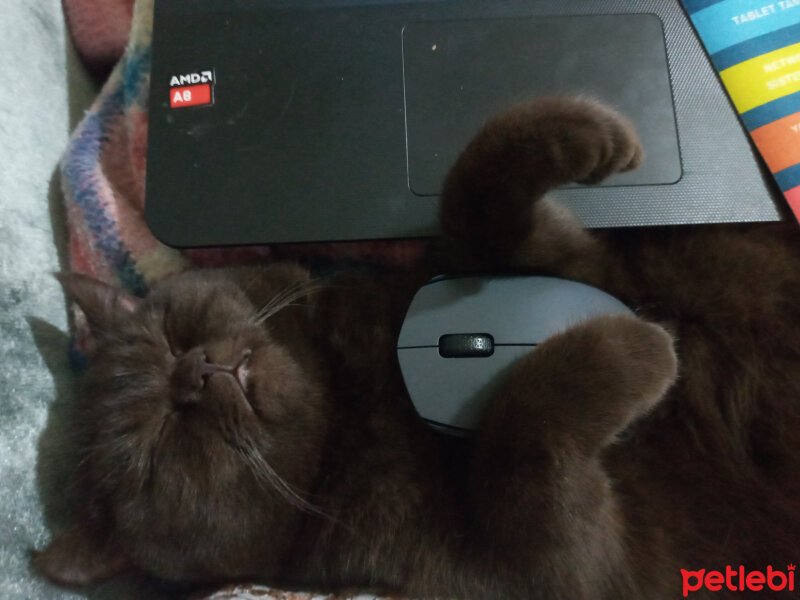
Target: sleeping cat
{"points": [[252, 423]]}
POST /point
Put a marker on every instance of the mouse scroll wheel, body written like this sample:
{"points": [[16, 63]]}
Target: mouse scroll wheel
{"points": [[466, 345]]}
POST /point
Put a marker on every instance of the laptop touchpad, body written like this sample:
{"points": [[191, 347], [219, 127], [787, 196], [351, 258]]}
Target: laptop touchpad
{"points": [[458, 72]]}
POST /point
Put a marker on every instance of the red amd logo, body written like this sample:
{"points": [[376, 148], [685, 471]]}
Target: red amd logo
{"points": [[191, 89]]}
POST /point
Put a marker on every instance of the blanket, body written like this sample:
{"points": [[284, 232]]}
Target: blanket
{"points": [[103, 173]]}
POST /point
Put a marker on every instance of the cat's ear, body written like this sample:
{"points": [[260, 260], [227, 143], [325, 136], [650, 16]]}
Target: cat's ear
{"points": [[81, 555], [100, 302]]}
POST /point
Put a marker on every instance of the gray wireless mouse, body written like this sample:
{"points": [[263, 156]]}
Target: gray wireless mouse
{"points": [[461, 333]]}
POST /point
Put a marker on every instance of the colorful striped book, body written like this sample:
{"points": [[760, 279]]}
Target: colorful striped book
{"points": [[755, 46]]}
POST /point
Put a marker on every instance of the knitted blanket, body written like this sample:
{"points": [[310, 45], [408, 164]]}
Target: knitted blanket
{"points": [[103, 173]]}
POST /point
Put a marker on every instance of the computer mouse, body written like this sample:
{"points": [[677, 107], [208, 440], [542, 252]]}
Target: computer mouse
{"points": [[461, 333]]}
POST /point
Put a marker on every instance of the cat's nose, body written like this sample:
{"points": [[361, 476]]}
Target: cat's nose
{"points": [[190, 373]]}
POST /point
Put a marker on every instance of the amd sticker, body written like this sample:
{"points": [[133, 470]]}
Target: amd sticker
{"points": [[191, 89]]}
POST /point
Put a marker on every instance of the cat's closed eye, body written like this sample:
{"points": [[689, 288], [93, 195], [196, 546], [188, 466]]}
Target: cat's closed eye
{"points": [[169, 335]]}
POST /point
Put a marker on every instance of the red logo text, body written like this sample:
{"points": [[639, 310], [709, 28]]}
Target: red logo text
{"points": [[191, 95], [738, 580]]}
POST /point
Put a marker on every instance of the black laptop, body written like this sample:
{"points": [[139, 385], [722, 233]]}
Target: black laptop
{"points": [[293, 121]]}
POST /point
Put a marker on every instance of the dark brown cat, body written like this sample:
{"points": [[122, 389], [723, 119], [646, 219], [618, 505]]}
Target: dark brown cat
{"points": [[253, 423]]}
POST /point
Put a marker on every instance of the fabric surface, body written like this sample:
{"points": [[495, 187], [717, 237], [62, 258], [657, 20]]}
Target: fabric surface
{"points": [[99, 29], [44, 90]]}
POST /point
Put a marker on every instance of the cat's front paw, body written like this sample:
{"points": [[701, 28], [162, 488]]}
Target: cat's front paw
{"points": [[639, 355], [622, 367], [582, 139], [590, 382]]}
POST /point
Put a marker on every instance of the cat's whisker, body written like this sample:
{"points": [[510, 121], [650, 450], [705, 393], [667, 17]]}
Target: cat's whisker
{"points": [[287, 298], [278, 300], [293, 293], [266, 474]]}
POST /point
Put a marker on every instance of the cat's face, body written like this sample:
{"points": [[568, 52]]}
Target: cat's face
{"points": [[200, 432]]}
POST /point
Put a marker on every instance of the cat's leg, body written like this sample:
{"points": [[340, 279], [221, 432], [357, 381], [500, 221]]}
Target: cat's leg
{"points": [[544, 507], [493, 214]]}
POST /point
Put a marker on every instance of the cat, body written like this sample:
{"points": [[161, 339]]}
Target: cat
{"points": [[252, 423]]}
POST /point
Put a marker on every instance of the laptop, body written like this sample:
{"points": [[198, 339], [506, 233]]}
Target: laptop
{"points": [[303, 121]]}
